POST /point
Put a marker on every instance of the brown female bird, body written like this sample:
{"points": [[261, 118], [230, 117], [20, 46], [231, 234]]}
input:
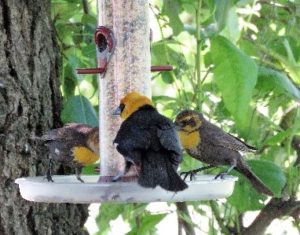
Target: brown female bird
{"points": [[148, 140], [74, 145], [210, 144]]}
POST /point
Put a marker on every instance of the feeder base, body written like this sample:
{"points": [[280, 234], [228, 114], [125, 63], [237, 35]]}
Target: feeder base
{"points": [[67, 189]]}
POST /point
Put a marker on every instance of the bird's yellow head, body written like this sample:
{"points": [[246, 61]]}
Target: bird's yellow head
{"points": [[188, 121], [131, 103]]}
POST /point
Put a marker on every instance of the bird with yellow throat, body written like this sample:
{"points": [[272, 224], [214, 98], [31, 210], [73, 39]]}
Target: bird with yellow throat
{"points": [[74, 145], [209, 144]]}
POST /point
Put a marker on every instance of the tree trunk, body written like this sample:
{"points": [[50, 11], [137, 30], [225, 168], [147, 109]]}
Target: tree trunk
{"points": [[30, 104]]}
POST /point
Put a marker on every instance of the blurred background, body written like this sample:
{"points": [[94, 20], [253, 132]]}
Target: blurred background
{"points": [[238, 62]]}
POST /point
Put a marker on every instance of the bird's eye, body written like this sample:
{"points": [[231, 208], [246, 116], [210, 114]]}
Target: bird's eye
{"points": [[191, 122], [185, 122]]}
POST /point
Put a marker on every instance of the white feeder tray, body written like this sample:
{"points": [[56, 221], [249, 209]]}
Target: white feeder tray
{"points": [[67, 189]]}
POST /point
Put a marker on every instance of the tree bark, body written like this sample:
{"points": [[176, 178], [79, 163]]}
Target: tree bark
{"points": [[30, 104], [276, 208]]}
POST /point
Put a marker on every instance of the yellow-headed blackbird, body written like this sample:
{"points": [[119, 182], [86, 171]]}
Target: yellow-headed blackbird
{"points": [[210, 144], [149, 140], [74, 145]]}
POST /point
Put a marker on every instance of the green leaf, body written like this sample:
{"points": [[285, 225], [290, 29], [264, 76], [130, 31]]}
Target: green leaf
{"points": [[69, 81], [90, 169], [159, 53], [221, 13], [162, 98], [167, 77], [232, 30], [279, 137], [65, 10], [79, 109], [292, 69], [88, 19], [245, 197], [138, 210], [74, 62], [235, 74], [162, 53], [171, 8], [270, 173], [270, 79], [293, 176], [90, 52], [207, 59], [107, 213], [149, 222]]}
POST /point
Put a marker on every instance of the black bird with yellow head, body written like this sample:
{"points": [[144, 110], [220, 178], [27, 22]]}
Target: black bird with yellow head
{"points": [[148, 140], [211, 145]]}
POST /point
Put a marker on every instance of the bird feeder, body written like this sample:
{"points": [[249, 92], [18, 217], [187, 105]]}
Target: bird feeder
{"points": [[123, 55]]}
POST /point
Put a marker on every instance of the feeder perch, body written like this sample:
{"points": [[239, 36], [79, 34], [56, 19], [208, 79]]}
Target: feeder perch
{"points": [[123, 55], [105, 44]]}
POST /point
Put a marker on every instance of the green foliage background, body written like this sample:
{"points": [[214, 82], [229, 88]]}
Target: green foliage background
{"points": [[237, 61]]}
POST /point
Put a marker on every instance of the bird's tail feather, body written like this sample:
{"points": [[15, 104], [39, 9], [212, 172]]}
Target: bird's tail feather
{"points": [[157, 169], [254, 180]]}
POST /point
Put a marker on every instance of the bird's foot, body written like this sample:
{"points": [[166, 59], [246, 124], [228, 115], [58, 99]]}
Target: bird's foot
{"points": [[49, 170], [221, 175], [48, 176], [118, 176], [191, 174], [79, 178]]}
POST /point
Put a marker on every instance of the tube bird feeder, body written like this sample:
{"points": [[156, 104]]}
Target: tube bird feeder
{"points": [[129, 70], [123, 55]]}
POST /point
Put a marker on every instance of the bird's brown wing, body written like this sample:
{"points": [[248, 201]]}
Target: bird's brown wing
{"points": [[68, 132], [63, 141], [217, 137]]}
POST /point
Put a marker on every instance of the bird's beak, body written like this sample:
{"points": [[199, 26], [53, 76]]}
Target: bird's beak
{"points": [[117, 111]]}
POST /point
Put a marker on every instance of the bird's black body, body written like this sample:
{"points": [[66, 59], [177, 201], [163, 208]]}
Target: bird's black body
{"points": [[149, 140]]}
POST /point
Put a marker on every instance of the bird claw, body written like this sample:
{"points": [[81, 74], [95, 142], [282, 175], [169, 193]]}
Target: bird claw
{"points": [[185, 174], [48, 176], [193, 173], [79, 178], [221, 175], [78, 172], [117, 177], [48, 173]]}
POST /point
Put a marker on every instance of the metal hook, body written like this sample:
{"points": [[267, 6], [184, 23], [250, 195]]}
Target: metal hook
{"points": [[105, 43]]}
